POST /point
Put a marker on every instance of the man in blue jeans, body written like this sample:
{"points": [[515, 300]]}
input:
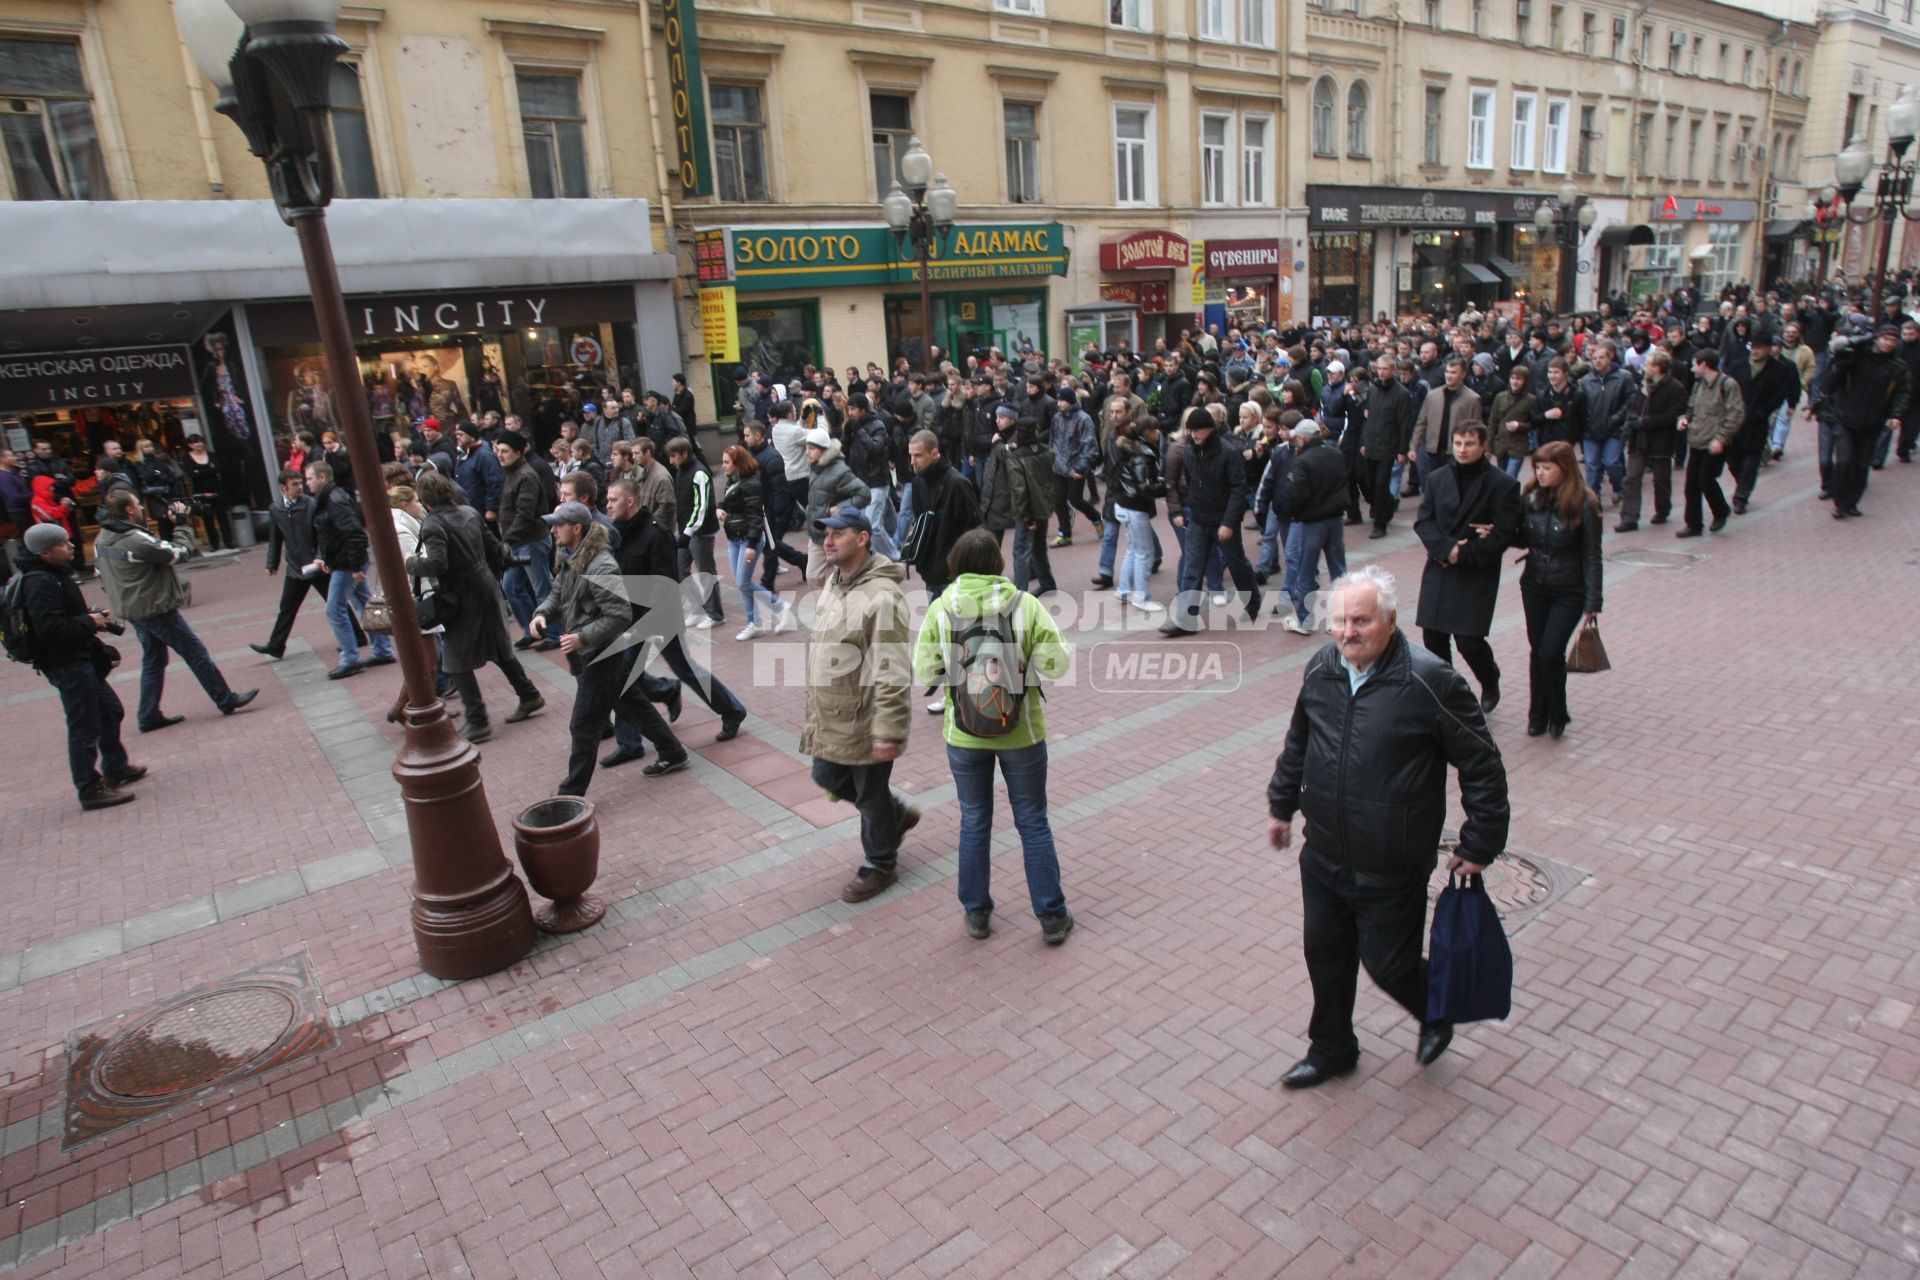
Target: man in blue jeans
{"points": [[340, 548], [1315, 503], [523, 501], [142, 586]]}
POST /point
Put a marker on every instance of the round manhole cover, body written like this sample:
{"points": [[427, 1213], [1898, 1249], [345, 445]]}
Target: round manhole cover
{"points": [[1656, 559], [194, 1043], [1515, 883]]}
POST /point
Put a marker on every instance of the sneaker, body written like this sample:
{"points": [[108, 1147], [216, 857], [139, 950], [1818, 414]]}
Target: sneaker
{"points": [[1149, 606], [750, 631], [868, 882], [937, 707], [662, 767], [979, 925], [1055, 928], [1219, 597], [102, 796], [705, 624], [786, 619], [1291, 623], [1060, 540], [527, 707]]}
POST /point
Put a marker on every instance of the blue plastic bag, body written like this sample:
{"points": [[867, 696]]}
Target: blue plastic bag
{"points": [[1469, 965]]}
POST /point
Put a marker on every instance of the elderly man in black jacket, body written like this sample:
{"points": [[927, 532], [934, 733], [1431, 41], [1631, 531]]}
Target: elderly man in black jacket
{"points": [[1375, 728], [1466, 516]]}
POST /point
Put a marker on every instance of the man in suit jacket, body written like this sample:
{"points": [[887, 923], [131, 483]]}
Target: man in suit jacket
{"points": [[1470, 510], [290, 535], [1446, 409]]}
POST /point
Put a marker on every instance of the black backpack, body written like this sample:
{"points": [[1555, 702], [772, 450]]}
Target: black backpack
{"points": [[15, 631]]}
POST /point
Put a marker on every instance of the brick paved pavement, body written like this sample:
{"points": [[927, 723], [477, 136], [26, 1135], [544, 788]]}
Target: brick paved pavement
{"points": [[1713, 1067]]}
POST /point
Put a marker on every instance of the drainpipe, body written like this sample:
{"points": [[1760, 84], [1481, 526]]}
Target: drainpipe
{"points": [[202, 122], [653, 122]]}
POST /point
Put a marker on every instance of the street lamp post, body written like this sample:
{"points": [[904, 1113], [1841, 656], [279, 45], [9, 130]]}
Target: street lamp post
{"points": [[1894, 191], [1825, 212], [271, 61], [925, 217], [1567, 225]]}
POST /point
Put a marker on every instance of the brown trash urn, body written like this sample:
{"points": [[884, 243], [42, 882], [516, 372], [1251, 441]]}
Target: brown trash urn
{"points": [[558, 842]]}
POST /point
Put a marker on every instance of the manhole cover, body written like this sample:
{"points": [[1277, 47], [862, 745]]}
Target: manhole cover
{"points": [[1520, 884], [1656, 559], [151, 1061]]}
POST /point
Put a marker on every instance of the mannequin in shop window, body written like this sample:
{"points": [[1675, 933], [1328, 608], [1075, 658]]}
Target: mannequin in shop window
{"points": [[206, 492], [443, 397], [309, 406]]}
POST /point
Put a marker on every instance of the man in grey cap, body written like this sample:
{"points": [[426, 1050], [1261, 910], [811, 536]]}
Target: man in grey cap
{"points": [[68, 651]]}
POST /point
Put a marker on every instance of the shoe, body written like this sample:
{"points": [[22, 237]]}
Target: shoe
{"points": [[1838, 514], [102, 796], [1060, 540], [1781, 453], [1218, 597], [1878, 466], [749, 632], [785, 620], [1354, 520], [547, 644], [1260, 578], [1536, 728], [1293, 626], [1377, 533], [1434, 1039], [1823, 495], [1307, 1073], [1149, 606], [979, 925], [1626, 526], [346, 669], [1739, 506], [909, 817], [868, 882], [268, 651], [527, 707], [239, 700], [1716, 524], [1055, 928], [379, 661], [154, 726], [1854, 513], [1489, 697], [662, 767], [937, 707], [729, 729], [622, 755], [131, 774], [525, 642], [1658, 520], [1557, 729], [1102, 581], [705, 624], [673, 701], [1173, 630], [1688, 532], [1904, 457], [476, 732]]}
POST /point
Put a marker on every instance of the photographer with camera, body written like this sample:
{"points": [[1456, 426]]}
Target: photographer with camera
{"points": [[61, 637], [1865, 391]]}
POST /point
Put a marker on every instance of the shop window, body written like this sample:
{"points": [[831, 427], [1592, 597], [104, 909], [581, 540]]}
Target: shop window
{"points": [[1480, 129], [1021, 123], [1323, 118], [1524, 105], [1436, 126], [555, 130], [1722, 268], [1216, 133], [1357, 119], [1133, 159], [353, 170], [1588, 136], [1131, 15], [739, 142], [1553, 150], [1663, 255], [1214, 19], [892, 132], [46, 118], [1340, 274], [1256, 160], [1256, 23]]}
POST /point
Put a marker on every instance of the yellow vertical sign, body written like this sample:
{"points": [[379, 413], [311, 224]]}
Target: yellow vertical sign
{"points": [[720, 324], [1197, 259]]}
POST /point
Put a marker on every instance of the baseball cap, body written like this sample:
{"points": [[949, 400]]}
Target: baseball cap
{"points": [[846, 518], [589, 408], [1334, 366], [569, 513], [1305, 429], [42, 538], [819, 438]]}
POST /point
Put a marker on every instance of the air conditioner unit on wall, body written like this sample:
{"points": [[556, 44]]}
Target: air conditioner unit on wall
{"points": [[1523, 9], [1678, 39]]}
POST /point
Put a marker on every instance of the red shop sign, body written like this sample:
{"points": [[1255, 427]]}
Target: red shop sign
{"points": [[1113, 292], [1153, 297], [1144, 251]]}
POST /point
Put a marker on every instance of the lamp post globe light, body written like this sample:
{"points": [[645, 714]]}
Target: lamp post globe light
{"points": [[922, 214], [1893, 193], [1568, 224], [270, 60]]}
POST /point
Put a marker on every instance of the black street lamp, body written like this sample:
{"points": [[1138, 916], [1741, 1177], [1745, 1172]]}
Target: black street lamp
{"points": [[925, 217], [1894, 190], [271, 61], [1567, 226], [1826, 212]]}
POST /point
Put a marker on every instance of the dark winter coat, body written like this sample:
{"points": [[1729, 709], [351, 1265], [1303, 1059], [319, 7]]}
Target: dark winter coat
{"points": [[339, 538], [870, 451], [1561, 559], [1654, 421], [453, 552], [1604, 402], [1459, 598], [832, 486], [1764, 388], [290, 526], [1133, 472], [1570, 426], [56, 612], [1216, 481], [1316, 484], [955, 506], [479, 477], [1511, 406], [1387, 431], [1863, 388], [745, 506], [996, 487]]}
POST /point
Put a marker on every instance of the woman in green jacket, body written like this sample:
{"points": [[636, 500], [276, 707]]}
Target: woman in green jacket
{"points": [[988, 644]]}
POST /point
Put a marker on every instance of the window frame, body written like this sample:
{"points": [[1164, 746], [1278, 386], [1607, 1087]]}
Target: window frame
{"points": [[1007, 142], [1149, 168], [1481, 156], [1260, 195], [1323, 142], [899, 137], [1116, 10], [1224, 34], [1523, 132], [353, 64], [1589, 32], [97, 121], [1215, 162], [1586, 136], [1365, 120], [1021, 8], [1433, 129], [1553, 157], [556, 72], [761, 126], [1265, 11]]}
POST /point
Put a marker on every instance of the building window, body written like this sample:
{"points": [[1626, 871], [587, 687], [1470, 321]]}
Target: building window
{"points": [[1794, 87], [1553, 154], [892, 133], [1323, 118], [1643, 145], [1256, 160], [1357, 119], [1025, 8], [1523, 139], [1720, 65], [1480, 129], [1216, 133], [1668, 152], [1556, 23], [46, 117], [1522, 13], [1663, 255], [1676, 45], [1693, 147], [1256, 23], [1588, 136], [739, 143], [1589, 33], [1021, 122], [1646, 43], [1693, 62], [1477, 18], [1133, 15], [1133, 154], [1436, 125], [1741, 150], [1433, 14], [1723, 267], [1619, 40], [1746, 66], [555, 130], [353, 172], [1717, 173], [1215, 21]]}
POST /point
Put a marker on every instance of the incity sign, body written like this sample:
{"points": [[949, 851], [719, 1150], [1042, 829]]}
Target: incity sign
{"points": [[400, 318], [77, 379]]}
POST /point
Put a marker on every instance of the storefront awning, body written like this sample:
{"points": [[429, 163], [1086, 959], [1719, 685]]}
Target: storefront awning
{"points": [[1511, 270], [1701, 253], [1478, 274], [1784, 228], [1615, 237]]}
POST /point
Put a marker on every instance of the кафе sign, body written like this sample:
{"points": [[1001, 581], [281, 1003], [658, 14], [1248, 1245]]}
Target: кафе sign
{"points": [[760, 259], [78, 379]]}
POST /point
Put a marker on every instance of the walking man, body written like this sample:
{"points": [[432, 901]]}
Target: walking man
{"points": [[1867, 392], [1376, 726], [1312, 504], [529, 551], [340, 558], [858, 669], [1715, 411], [290, 536], [1469, 508], [142, 586], [1386, 432]]}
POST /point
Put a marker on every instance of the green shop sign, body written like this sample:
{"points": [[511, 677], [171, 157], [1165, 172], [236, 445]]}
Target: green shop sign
{"points": [[786, 258]]}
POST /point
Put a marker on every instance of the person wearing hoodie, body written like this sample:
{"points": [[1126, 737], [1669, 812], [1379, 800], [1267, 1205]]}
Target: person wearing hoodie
{"points": [[982, 622], [858, 693], [1510, 418], [1074, 441], [831, 485]]}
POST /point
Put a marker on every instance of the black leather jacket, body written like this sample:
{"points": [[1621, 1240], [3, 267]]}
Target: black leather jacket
{"points": [[1368, 769], [1560, 558]]}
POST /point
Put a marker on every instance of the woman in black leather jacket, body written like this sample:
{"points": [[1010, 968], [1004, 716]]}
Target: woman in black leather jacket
{"points": [[1560, 586]]}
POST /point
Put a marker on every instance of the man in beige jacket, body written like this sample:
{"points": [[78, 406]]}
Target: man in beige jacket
{"points": [[1714, 414], [1447, 408]]}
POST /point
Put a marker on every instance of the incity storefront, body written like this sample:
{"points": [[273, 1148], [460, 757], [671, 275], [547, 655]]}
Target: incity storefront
{"points": [[776, 299]]}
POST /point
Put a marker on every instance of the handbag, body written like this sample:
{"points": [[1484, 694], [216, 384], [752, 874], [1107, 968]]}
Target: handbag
{"points": [[1469, 964], [377, 617], [1588, 655]]}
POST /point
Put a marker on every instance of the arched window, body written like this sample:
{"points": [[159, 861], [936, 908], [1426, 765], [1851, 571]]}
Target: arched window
{"points": [[1323, 117], [1357, 119], [1794, 87]]}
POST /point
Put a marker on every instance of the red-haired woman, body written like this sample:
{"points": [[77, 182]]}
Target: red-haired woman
{"points": [[743, 514], [1560, 587]]}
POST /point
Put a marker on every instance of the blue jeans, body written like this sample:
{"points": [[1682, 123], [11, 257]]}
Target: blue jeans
{"points": [[1109, 543], [1025, 771], [1273, 542], [346, 598], [743, 570], [1512, 466], [1782, 424], [904, 522], [1137, 568], [1608, 458], [1215, 564], [526, 584], [158, 634], [1030, 558], [880, 513], [1307, 541]]}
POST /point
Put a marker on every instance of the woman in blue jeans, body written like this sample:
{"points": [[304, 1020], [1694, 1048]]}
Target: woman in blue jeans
{"points": [[743, 515], [988, 644]]}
